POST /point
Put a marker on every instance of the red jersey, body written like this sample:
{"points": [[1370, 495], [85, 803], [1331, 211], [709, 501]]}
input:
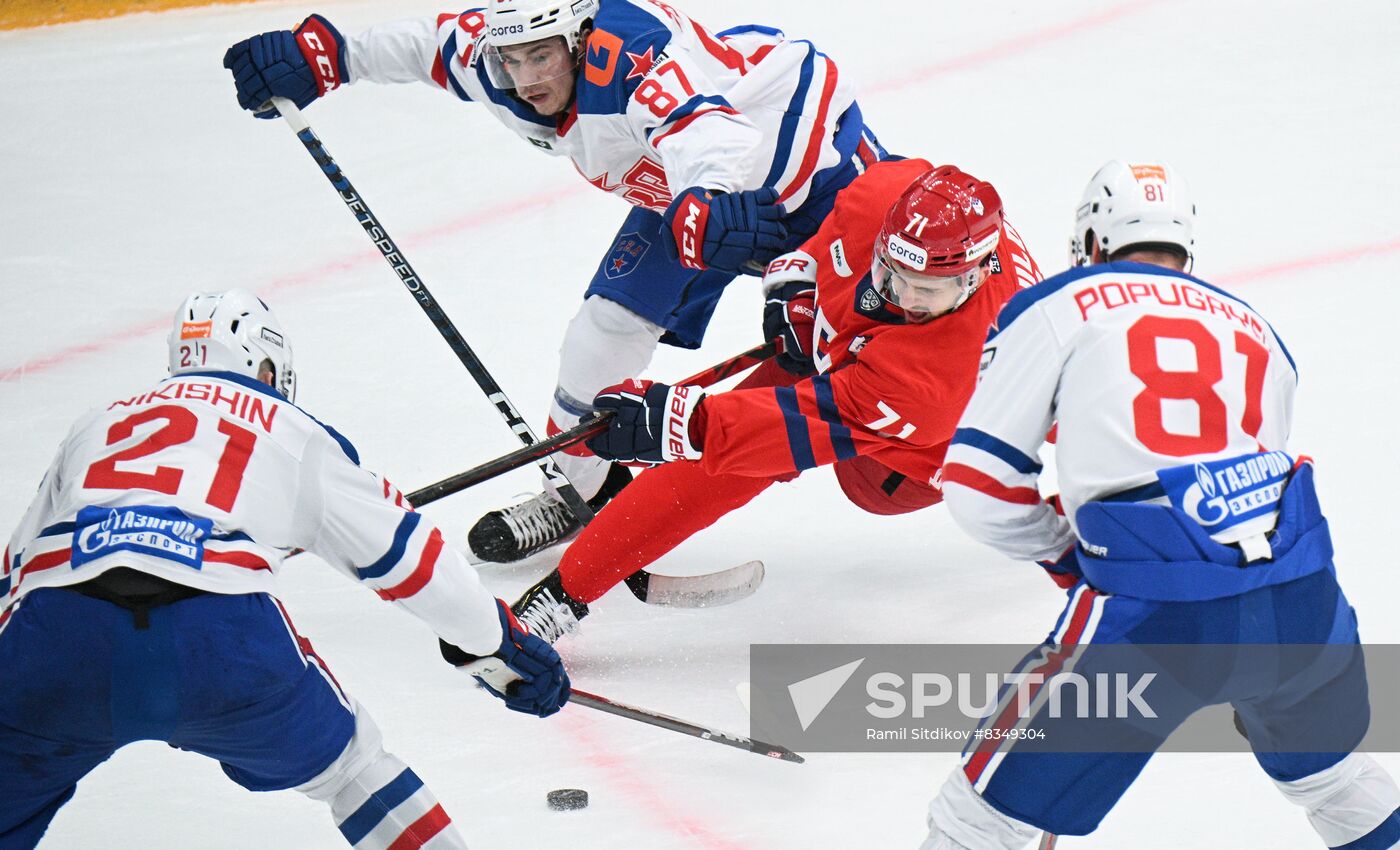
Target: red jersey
{"points": [[887, 389]]}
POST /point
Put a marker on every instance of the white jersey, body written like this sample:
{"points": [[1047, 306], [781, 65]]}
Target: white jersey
{"points": [[1143, 368], [210, 480], [661, 104]]}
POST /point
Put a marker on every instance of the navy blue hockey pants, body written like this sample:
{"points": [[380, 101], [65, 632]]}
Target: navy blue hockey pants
{"points": [[1068, 793], [224, 676]]}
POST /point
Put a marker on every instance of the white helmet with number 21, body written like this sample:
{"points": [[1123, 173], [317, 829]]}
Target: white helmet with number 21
{"points": [[1144, 204], [231, 331]]}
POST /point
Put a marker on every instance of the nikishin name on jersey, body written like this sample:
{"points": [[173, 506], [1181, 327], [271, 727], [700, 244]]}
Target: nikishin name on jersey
{"points": [[1110, 295], [253, 408]]}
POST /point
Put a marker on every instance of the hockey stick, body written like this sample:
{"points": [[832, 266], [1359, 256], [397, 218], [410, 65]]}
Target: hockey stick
{"points": [[577, 434], [665, 721], [494, 672], [638, 583]]}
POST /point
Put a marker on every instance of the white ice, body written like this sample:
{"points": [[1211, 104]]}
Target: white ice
{"points": [[129, 177]]}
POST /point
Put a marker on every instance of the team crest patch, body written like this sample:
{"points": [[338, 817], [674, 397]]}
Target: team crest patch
{"points": [[164, 532], [627, 252]]}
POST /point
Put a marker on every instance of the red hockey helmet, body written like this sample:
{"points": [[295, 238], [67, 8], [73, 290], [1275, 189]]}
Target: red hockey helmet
{"points": [[937, 239]]}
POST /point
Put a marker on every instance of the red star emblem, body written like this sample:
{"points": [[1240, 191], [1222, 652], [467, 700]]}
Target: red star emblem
{"points": [[618, 264], [641, 65]]}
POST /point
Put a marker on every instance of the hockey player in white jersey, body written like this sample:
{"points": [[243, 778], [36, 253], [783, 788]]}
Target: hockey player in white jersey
{"points": [[1181, 519], [136, 596], [729, 145]]}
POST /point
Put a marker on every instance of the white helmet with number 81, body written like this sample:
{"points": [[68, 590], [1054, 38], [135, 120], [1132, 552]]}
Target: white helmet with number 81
{"points": [[231, 331], [1140, 205]]}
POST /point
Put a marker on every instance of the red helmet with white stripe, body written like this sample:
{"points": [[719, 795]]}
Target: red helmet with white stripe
{"points": [[936, 242]]}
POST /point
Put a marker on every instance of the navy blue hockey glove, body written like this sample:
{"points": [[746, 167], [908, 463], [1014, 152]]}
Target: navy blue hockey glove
{"points": [[721, 231], [651, 423], [1064, 571], [543, 686], [300, 66], [790, 314]]}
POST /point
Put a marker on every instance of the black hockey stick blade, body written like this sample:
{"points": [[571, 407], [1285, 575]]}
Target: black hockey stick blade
{"points": [[710, 590], [665, 721]]}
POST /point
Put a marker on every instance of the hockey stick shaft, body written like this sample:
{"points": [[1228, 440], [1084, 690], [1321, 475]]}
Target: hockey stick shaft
{"points": [[532, 452], [664, 721], [415, 286]]}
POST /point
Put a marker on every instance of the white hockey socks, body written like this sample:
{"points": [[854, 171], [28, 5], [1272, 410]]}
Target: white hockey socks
{"points": [[1346, 801], [377, 801], [959, 819], [605, 343]]}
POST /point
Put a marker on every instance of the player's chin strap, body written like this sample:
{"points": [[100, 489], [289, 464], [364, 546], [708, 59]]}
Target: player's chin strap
{"points": [[640, 584]]}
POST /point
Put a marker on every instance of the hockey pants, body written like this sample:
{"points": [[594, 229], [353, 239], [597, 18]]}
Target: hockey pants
{"points": [[666, 505], [225, 676], [1006, 791]]}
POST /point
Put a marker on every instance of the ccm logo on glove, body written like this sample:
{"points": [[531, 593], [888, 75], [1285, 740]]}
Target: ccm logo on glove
{"points": [[321, 49], [696, 215]]}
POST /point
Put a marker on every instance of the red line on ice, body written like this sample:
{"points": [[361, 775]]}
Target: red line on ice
{"points": [[324, 272], [1361, 252], [1009, 47], [621, 773]]}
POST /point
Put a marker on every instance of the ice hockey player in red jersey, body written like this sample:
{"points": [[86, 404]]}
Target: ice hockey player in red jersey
{"points": [[136, 595], [883, 314]]}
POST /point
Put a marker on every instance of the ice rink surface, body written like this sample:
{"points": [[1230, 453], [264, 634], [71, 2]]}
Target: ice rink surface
{"points": [[129, 177]]}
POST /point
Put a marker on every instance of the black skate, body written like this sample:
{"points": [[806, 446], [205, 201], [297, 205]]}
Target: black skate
{"points": [[521, 530], [548, 611]]}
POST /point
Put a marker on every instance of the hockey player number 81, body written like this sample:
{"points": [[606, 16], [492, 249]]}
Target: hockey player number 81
{"points": [[1197, 385], [180, 425]]}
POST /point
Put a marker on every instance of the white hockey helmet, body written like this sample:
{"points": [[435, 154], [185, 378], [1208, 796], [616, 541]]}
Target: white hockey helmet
{"points": [[231, 331], [517, 22], [1143, 204]]}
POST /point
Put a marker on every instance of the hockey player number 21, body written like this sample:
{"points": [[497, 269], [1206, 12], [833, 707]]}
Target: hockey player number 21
{"points": [[1197, 385], [180, 425]]}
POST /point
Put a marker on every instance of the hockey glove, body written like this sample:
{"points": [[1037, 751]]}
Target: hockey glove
{"points": [[525, 672], [790, 314], [705, 229], [651, 422], [1064, 570], [300, 66]]}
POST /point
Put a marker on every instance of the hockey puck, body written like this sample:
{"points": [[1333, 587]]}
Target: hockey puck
{"points": [[567, 799]]}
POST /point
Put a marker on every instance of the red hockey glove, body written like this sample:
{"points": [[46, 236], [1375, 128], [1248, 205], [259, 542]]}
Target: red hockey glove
{"points": [[790, 314]]}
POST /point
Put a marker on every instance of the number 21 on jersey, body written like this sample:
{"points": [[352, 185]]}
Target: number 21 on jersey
{"points": [[178, 426]]}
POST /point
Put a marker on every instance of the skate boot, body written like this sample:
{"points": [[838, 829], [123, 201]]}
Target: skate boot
{"points": [[548, 611], [521, 530]]}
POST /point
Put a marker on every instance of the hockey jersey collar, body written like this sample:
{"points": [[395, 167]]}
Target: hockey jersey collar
{"points": [[873, 306], [259, 387]]}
